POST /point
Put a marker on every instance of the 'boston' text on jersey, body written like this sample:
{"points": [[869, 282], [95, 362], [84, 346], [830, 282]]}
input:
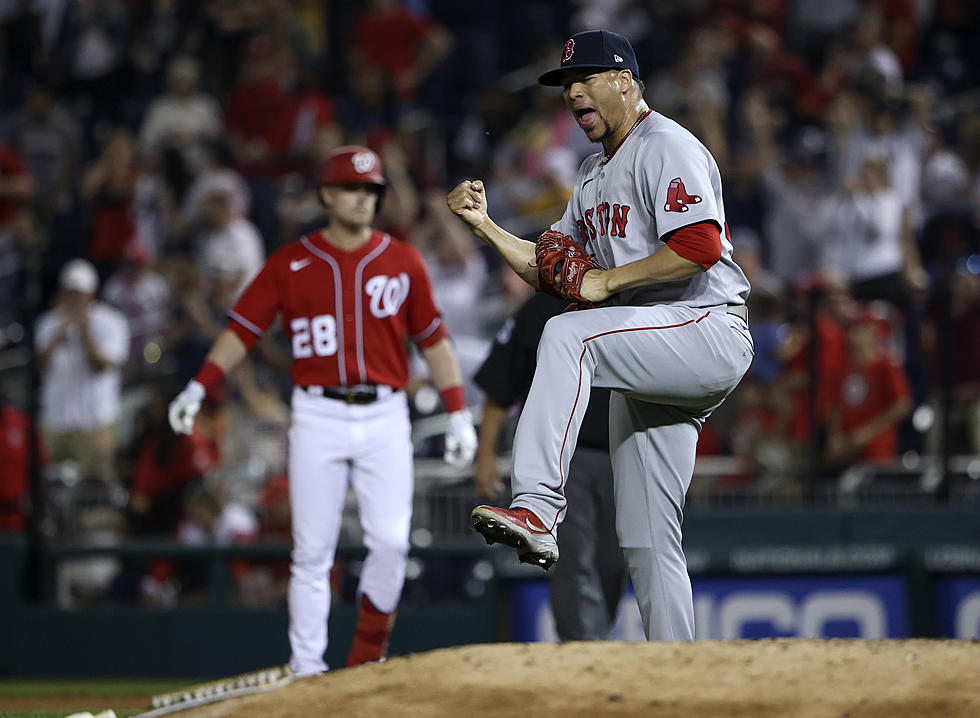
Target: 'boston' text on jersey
{"points": [[598, 220]]}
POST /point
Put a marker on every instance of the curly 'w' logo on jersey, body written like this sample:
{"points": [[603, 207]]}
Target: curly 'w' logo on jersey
{"points": [[677, 197], [387, 293]]}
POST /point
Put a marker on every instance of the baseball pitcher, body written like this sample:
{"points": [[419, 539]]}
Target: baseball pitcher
{"points": [[644, 252]]}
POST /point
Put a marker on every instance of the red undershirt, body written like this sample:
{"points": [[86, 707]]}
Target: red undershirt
{"points": [[699, 243]]}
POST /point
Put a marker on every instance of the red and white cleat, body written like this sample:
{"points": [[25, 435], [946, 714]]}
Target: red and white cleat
{"points": [[520, 529]]}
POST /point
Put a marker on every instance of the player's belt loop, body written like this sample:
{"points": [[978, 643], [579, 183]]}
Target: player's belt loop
{"points": [[739, 310]]}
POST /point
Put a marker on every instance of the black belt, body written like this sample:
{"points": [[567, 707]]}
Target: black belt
{"points": [[361, 394]]}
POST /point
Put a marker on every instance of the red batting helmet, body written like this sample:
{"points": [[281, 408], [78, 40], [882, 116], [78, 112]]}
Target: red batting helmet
{"points": [[353, 164]]}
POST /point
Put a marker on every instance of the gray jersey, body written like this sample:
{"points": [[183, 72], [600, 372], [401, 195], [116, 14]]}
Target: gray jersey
{"points": [[661, 178]]}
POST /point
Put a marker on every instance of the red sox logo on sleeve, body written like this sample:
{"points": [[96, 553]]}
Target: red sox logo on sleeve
{"points": [[677, 197], [387, 293]]}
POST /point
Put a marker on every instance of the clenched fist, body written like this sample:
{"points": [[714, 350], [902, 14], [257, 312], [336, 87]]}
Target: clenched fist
{"points": [[468, 200]]}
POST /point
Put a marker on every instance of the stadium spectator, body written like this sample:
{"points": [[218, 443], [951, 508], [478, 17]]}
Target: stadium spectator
{"points": [[15, 465], [405, 46], [797, 191], [252, 112], [309, 111], [228, 244], [143, 295], [207, 518], [870, 396], [876, 64], [108, 187], [16, 186], [49, 139], [165, 464], [812, 358], [93, 45], [81, 345], [185, 117], [17, 231], [874, 245]]}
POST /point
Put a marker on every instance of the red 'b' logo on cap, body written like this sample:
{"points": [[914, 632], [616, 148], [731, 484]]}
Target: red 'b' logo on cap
{"points": [[569, 51]]}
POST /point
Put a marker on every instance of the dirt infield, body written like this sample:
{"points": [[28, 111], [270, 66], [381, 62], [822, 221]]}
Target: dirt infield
{"points": [[740, 679]]}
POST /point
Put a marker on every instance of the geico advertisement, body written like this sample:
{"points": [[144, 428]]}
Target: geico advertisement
{"points": [[839, 606], [958, 601]]}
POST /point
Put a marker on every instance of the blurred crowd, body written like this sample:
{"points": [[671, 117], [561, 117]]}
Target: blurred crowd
{"points": [[154, 152]]}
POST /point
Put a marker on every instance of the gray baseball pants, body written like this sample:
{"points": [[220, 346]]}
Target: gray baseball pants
{"points": [[669, 367]]}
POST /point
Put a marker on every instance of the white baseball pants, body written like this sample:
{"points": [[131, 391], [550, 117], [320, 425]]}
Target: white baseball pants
{"points": [[332, 443]]}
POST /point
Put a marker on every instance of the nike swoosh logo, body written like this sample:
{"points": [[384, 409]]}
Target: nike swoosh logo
{"points": [[587, 181], [298, 264]]}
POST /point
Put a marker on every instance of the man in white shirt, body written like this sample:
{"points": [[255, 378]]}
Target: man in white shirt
{"points": [[228, 244], [81, 345]]}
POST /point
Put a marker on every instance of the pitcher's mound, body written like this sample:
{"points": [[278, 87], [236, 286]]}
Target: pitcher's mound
{"points": [[745, 679]]}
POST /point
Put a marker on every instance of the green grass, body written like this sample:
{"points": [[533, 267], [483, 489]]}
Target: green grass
{"points": [[101, 691], [107, 687]]}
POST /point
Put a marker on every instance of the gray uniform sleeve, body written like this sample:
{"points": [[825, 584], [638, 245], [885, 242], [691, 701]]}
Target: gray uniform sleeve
{"points": [[678, 180]]}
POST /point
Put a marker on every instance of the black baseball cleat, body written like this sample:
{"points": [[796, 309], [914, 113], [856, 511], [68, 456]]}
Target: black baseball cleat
{"points": [[520, 529]]}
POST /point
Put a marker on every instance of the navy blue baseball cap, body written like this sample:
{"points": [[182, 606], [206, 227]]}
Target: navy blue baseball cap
{"points": [[593, 48]]}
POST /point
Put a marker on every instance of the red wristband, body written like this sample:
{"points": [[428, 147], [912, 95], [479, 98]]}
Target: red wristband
{"points": [[210, 375], [452, 398]]}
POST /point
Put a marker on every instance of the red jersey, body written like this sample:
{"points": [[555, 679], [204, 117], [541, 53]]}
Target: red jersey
{"points": [[390, 40], [830, 361], [347, 314], [15, 456], [11, 165], [864, 392], [192, 456]]}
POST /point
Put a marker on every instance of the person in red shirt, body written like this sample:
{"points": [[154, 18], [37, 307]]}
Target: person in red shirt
{"points": [[255, 107], [14, 466], [797, 351], [310, 111], [108, 187], [406, 47], [872, 396], [350, 298], [16, 185], [166, 463]]}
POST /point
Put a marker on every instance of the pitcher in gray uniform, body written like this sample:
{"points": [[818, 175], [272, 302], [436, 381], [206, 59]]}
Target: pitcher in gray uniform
{"points": [[669, 334]]}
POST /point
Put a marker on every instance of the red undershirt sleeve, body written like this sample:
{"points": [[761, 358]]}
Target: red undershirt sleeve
{"points": [[699, 243], [248, 337]]}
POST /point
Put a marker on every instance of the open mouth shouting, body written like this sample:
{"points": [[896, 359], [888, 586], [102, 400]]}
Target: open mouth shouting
{"points": [[587, 117]]}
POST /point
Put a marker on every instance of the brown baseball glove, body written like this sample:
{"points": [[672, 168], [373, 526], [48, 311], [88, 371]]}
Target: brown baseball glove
{"points": [[562, 264]]}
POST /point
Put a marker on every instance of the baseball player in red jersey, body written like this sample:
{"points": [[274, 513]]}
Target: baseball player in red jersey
{"points": [[349, 296]]}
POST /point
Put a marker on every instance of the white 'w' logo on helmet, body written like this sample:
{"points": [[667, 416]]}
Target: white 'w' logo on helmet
{"points": [[363, 162]]}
